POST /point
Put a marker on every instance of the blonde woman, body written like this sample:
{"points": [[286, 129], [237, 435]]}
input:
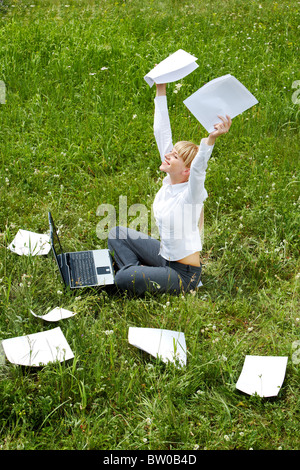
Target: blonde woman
{"points": [[145, 264]]}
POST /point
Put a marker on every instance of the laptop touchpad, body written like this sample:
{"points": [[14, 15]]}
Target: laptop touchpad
{"points": [[103, 270]]}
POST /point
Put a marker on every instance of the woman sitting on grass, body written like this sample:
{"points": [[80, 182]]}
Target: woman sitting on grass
{"points": [[172, 264]]}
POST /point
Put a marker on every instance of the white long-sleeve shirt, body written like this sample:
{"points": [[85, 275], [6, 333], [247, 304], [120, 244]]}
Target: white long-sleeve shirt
{"points": [[177, 207]]}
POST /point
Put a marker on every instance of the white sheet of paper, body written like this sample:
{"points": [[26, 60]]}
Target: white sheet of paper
{"points": [[56, 314], [38, 348], [164, 344], [30, 243], [263, 375], [221, 96], [173, 68]]}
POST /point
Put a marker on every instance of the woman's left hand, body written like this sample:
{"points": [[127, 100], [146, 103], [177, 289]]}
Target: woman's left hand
{"points": [[221, 128]]}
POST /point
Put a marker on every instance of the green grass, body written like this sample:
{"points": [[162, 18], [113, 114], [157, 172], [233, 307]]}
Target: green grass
{"points": [[76, 132]]}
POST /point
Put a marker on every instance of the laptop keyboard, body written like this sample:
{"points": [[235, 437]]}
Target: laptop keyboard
{"points": [[83, 271]]}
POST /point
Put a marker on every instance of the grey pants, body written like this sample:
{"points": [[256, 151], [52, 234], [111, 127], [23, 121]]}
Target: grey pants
{"points": [[141, 269]]}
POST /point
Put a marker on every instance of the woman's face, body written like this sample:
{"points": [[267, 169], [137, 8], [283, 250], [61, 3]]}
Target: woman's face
{"points": [[173, 164]]}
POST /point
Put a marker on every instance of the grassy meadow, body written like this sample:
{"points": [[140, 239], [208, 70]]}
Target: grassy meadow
{"points": [[76, 131]]}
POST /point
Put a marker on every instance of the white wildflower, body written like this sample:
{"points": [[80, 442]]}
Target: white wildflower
{"points": [[177, 87], [109, 332]]}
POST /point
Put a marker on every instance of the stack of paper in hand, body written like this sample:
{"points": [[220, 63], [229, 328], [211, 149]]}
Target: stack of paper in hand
{"points": [[221, 96], [173, 68]]}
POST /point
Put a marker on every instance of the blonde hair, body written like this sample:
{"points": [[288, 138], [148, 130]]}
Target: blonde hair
{"points": [[187, 151]]}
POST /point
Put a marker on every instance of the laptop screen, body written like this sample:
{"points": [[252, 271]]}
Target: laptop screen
{"points": [[59, 253], [56, 245]]}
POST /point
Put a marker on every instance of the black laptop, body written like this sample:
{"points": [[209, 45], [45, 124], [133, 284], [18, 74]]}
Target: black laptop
{"points": [[81, 268]]}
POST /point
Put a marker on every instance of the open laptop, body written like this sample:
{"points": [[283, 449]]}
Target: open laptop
{"points": [[82, 268]]}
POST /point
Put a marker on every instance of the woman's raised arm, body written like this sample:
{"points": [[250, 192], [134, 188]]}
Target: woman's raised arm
{"points": [[162, 127]]}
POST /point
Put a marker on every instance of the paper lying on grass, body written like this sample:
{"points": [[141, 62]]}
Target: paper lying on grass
{"points": [[30, 243], [38, 348], [262, 375], [56, 314], [221, 96], [173, 68], [166, 345]]}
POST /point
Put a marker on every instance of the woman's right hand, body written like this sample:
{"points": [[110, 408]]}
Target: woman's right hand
{"points": [[161, 89]]}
